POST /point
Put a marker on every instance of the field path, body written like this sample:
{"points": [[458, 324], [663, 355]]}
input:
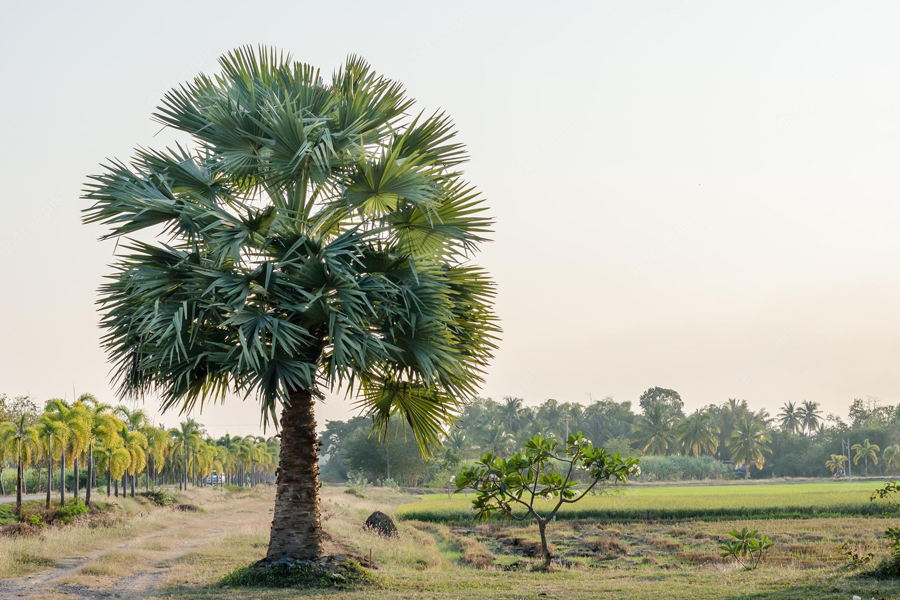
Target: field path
{"points": [[177, 540]]}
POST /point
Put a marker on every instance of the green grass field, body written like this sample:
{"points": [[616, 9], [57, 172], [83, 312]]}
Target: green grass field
{"points": [[733, 501]]}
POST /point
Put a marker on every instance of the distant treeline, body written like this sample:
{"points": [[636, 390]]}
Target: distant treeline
{"points": [[714, 442]]}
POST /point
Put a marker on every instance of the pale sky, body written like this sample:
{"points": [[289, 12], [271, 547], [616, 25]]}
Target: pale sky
{"points": [[694, 195]]}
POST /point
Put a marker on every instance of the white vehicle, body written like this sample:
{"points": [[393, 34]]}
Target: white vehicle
{"points": [[215, 479]]}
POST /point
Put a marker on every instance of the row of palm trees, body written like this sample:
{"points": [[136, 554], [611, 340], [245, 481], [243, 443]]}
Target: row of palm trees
{"points": [[730, 431], [124, 445], [866, 451]]}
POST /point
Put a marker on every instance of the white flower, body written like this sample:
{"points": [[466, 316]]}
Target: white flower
{"points": [[548, 496]]}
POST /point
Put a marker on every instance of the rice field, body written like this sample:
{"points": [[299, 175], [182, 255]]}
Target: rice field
{"points": [[698, 502]]}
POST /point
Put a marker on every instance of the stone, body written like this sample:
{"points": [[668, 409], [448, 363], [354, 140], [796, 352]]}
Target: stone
{"points": [[381, 524]]}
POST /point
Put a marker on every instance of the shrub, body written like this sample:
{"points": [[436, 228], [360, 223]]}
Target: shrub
{"points": [[746, 548], [66, 514], [160, 497]]}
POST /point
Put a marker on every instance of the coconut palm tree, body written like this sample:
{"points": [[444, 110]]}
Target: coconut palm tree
{"points": [[789, 417], [749, 443], [316, 238], [890, 456], [836, 463], [24, 442], [654, 431], [52, 433], [810, 415], [511, 414], [697, 434], [496, 439], [865, 451]]}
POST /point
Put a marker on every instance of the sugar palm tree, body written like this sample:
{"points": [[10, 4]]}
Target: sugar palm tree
{"points": [[53, 433], [749, 443], [654, 431], [318, 237], [697, 434], [789, 417], [836, 462], [866, 451], [24, 442], [890, 456]]}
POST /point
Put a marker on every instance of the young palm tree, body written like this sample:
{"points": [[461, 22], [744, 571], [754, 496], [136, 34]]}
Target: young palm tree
{"points": [[789, 417], [24, 442], [865, 451], [317, 238], [113, 458], [53, 433], [135, 443], [654, 431], [75, 421], [749, 443], [697, 434], [158, 444], [103, 425], [836, 462], [185, 437]]}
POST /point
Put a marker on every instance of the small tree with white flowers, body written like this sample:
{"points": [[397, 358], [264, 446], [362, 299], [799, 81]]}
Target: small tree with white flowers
{"points": [[511, 486]]}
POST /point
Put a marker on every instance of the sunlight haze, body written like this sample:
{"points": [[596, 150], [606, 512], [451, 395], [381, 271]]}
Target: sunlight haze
{"points": [[691, 195]]}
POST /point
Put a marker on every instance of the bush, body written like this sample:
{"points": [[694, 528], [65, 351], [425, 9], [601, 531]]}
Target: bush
{"points": [[66, 515], [160, 497]]}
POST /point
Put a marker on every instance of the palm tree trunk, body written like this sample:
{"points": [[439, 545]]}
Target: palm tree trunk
{"points": [[133, 477], [108, 475], [297, 526], [90, 473], [49, 477], [62, 479], [19, 477], [75, 488], [2, 491]]}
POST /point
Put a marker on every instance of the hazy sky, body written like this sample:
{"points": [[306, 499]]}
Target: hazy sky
{"points": [[695, 195]]}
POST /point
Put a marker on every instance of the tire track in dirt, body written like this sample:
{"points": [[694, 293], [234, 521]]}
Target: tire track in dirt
{"points": [[137, 585]]}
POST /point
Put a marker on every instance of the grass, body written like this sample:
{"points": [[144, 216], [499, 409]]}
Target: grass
{"points": [[652, 503], [432, 561]]}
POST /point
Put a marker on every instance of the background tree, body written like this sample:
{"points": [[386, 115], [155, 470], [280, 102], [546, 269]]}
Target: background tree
{"points": [[315, 235], [836, 463], [810, 416], [24, 443], [697, 434], [669, 398], [890, 457], [867, 451], [789, 418], [748, 444], [654, 431]]}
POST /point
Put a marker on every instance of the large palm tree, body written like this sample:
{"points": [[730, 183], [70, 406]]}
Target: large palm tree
{"points": [[749, 443], [24, 442], [789, 417], [654, 431], [697, 434], [866, 451], [317, 237], [511, 414]]}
